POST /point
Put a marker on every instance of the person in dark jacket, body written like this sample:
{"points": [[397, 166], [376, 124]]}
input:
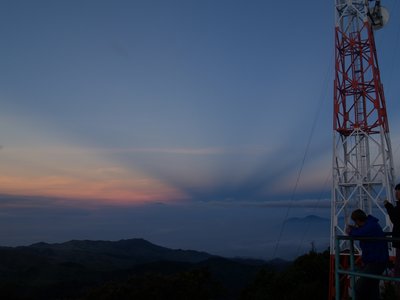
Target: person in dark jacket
{"points": [[375, 254], [394, 215]]}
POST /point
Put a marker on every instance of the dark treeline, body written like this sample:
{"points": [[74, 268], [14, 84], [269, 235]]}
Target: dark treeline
{"points": [[137, 269], [306, 278]]}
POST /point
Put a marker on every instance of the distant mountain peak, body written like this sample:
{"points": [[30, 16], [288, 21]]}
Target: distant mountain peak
{"points": [[123, 253], [40, 244], [308, 219]]}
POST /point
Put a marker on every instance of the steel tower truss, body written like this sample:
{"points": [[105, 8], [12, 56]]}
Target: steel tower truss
{"points": [[363, 174]]}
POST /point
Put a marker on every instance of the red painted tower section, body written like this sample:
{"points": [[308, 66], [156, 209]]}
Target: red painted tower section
{"points": [[359, 101]]}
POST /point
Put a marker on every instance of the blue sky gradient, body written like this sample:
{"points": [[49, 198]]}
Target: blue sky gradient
{"points": [[138, 105]]}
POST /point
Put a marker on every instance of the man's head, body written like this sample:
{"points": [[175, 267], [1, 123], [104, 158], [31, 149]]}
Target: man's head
{"points": [[397, 192], [359, 217]]}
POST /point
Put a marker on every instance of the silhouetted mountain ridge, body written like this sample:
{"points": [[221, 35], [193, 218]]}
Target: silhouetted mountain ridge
{"points": [[308, 219], [111, 254]]}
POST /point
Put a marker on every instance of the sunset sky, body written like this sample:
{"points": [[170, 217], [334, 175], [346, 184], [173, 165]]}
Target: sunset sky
{"points": [[124, 119]]}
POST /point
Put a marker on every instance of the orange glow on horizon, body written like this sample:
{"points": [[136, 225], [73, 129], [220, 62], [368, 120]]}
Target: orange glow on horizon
{"points": [[75, 173], [113, 191]]}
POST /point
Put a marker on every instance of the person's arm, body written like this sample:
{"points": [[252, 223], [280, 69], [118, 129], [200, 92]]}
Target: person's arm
{"points": [[393, 212], [366, 230]]}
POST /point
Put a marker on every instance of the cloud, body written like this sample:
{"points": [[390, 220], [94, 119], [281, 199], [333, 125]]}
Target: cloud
{"points": [[97, 188], [310, 203], [229, 229], [183, 151], [74, 173]]}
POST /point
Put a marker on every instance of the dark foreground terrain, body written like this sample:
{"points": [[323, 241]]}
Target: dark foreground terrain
{"points": [[138, 269]]}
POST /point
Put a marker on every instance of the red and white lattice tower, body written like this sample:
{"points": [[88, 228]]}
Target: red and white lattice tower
{"points": [[363, 175]]}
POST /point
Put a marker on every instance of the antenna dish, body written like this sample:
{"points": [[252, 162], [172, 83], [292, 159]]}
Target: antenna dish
{"points": [[379, 16]]}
